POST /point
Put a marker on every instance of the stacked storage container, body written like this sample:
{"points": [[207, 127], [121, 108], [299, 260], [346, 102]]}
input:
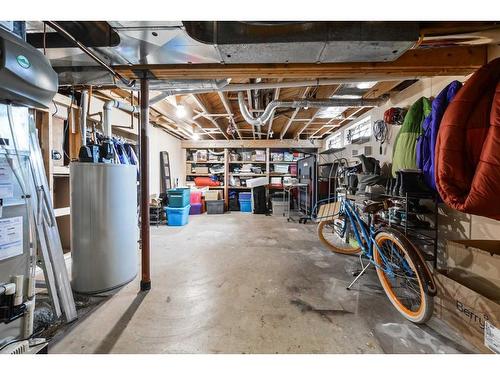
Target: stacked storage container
{"points": [[178, 206], [245, 202], [214, 204], [195, 201]]}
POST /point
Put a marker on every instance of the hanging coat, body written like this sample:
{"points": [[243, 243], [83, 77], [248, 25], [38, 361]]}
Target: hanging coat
{"points": [[426, 143], [404, 152], [467, 159]]}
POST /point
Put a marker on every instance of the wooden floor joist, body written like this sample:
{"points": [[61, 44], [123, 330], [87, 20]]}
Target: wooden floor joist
{"points": [[424, 62]]}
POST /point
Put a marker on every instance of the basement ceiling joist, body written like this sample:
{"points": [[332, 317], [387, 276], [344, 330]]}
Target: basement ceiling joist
{"points": [[212, 111], [423, 62]]}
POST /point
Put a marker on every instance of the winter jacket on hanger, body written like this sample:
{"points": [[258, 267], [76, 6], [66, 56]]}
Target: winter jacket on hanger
{"points": [[467, 169], [426, 143], [404, 152]]}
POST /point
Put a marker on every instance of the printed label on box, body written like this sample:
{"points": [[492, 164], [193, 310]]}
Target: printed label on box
{"points": [[6, 186], [492, 337], [11, 237]]}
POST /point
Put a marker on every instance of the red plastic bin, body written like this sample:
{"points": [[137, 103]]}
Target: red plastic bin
{"points": [[195, 197]]}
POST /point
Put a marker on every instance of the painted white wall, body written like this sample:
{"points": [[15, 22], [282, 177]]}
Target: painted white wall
{"points": [[159, 140], [428, 87], [453, 224]]}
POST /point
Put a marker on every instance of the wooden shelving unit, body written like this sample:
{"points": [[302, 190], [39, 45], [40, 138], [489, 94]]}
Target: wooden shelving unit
{"points": [[59, 132], [221, 175], [229, 165]]}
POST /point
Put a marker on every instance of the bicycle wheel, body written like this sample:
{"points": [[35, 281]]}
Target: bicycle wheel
{"points": [[337, 236], [402, 277]]}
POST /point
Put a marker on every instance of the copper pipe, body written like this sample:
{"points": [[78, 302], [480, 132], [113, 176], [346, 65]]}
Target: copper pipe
{"points": [[144, 186]]}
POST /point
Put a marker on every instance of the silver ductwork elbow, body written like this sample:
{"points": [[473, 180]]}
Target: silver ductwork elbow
{"points": [[262, 119], [302, 103]]}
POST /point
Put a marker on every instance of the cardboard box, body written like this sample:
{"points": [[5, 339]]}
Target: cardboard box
{"points": [[212, 195], [479, 258], [468, 304], [201, 170]]}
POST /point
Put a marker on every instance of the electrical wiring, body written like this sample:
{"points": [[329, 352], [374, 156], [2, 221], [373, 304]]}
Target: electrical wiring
{"points": [[380, 132], [29, 338]]}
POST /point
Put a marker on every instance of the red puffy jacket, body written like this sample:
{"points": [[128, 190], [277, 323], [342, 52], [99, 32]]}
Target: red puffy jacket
{"points": [[468, 146]]}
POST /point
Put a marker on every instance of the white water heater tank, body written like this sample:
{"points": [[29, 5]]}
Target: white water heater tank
{"points": [[104, 229]]}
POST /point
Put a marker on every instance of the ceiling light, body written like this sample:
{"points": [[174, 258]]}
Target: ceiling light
{"points": [[181, 111], [365, 85], [330, 112], [348, 97], [195, 136]]}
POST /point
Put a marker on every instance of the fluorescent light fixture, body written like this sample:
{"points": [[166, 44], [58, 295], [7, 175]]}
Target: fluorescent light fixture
{"points": [[346, 97], [181, 111], [330, 112], [365, 85], [195, 136]]}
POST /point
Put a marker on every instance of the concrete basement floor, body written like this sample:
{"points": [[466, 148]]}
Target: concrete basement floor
{"points": [[243, 283]]}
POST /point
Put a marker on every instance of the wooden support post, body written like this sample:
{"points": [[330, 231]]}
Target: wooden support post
{"points": [[74, 135], [43, 121]]}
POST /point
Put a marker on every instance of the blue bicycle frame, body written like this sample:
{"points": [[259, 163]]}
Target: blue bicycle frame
{"points": [[368, 232]]}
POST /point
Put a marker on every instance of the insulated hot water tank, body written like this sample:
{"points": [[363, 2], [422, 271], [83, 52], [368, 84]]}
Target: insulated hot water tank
{"points": [[104, 229]]}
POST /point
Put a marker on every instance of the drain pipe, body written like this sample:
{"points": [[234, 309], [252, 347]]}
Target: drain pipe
{"points": [[106, 109], [301, 103], [83, 117]]}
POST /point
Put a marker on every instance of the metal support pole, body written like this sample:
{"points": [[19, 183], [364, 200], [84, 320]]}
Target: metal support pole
{"points": [[144, 186]]}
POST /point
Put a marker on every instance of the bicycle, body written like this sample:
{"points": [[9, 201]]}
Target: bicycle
{"points": [[400, 266]]}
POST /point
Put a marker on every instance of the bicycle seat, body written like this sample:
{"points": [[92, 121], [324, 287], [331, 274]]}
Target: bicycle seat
{"points": [[374, 207]]}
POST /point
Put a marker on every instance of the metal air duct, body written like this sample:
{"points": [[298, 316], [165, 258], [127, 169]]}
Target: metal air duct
{"points": [[301, 103]]}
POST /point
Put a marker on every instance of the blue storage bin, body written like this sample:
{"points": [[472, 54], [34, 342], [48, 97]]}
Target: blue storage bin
{"points": [[245, 196], [245, 205], [177, 217], [178, 198]]}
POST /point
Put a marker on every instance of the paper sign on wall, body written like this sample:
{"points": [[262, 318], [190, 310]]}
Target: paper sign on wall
{"points": [[11, 237], [6, 186], [492, 337]]}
